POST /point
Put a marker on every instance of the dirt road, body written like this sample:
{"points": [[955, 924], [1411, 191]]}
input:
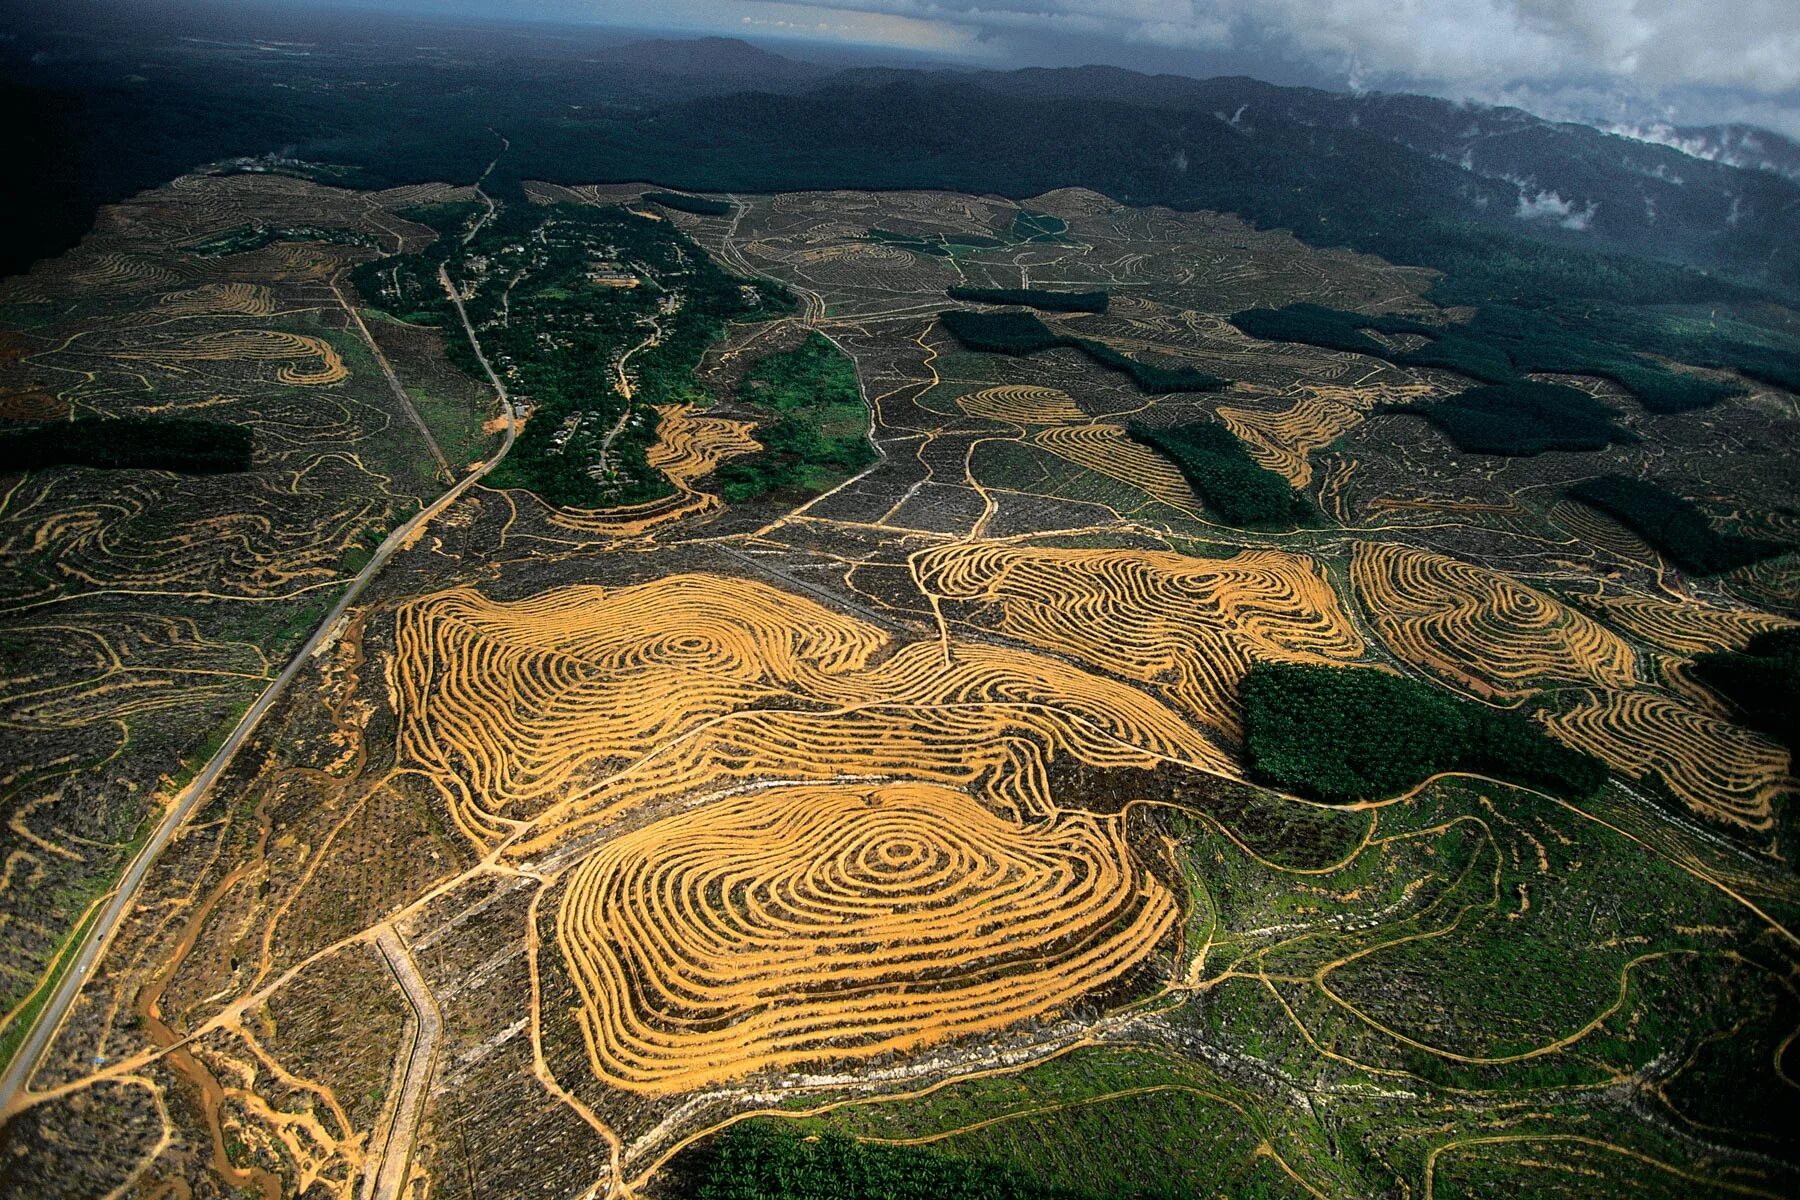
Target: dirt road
{"points": [[388, 1176]]}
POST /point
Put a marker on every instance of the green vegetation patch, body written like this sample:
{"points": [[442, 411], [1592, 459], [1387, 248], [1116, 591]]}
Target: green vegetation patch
{"points": [[1223, 474], [1721, 337], [760, 1160], [1022, 333], [1676, 527], [1501, 343], [245, 238], [698, 205], [1026, 227], [1522, 418], [1341, 734], [820, 434], [1763, 680], [1088, 302], [186, 444]]}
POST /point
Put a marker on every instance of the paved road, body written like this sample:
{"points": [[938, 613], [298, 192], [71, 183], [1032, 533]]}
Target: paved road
{"points": [[23, 1063], [386, 1182]]}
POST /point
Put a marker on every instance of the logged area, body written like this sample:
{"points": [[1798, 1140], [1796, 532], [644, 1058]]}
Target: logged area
{"points": [[880, 694]]}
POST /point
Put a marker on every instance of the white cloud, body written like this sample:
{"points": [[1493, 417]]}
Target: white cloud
{"points": [[1549, 206]]}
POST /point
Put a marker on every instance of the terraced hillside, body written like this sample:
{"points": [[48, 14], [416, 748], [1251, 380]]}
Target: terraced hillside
{"points": [[902, 805]]}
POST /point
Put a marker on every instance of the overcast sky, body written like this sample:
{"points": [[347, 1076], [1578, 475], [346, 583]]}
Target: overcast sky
{"points": [[1634, 61]]}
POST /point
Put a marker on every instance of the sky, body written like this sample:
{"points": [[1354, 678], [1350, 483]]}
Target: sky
{"points": [[1631, 63]]}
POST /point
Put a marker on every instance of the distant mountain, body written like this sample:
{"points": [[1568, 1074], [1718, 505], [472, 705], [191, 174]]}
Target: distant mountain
{"points": [[1733, 145], [1551, 178]]}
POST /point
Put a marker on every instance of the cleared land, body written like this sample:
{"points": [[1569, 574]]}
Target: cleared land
{"points": [[603, 848]]}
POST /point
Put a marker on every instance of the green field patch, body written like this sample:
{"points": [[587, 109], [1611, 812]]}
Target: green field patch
{"points": [[456, 427], [1030, 226], [766, 1160], [244, 238], [818, 436], [1103, 1122]]}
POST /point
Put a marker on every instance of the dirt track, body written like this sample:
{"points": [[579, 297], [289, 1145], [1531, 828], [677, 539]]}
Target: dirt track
{"points": [[387, 1174]]}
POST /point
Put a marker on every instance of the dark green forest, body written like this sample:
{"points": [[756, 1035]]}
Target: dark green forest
{"points": [[1676, 527], [1763, 681], [189, 445], [1330, 328], [1088, 302], [1222, 473], [1522, 418], [1342, 734], [1010, 332]]}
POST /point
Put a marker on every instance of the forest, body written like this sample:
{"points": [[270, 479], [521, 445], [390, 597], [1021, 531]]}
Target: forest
{"points": [[818, 434], [1763, 681], [1521, 419], [1328, 328], [1676, 527], [1017, 333], [189, 445], [759, 1160], [1047, 301], [1222, 473], [1338, 176], [1342, 734]]}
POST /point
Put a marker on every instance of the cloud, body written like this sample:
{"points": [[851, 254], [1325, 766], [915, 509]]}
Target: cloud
{"points": [[1549, 206]]}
